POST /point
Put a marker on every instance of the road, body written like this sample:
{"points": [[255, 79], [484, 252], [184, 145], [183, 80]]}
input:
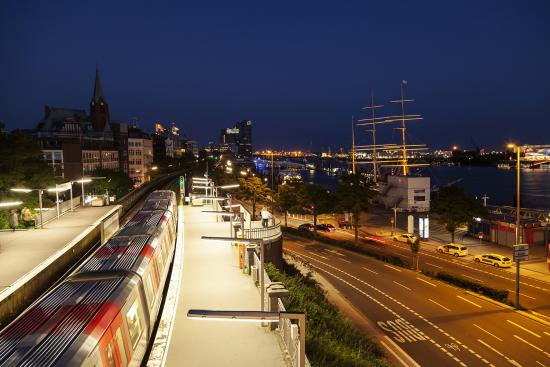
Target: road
{"points": [[423, 321]]}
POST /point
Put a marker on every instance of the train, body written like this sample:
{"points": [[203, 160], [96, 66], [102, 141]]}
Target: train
{"points": [[103, 313]]}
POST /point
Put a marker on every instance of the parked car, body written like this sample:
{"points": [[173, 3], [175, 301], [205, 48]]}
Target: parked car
{"points": [[405, 237], [498, 261], [453, 249], [326, 227], [308, 227]]}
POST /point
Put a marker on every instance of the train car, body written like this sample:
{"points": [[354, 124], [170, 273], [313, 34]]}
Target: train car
{"points": [[103, 314]]}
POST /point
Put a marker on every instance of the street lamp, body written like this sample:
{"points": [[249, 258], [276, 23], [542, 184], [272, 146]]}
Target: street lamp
{"points": [[40, 192], [518, 230], [261, 317], [256, 241], [10, 203]]}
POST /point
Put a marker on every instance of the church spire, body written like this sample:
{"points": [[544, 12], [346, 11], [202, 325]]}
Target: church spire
{"points": [[98, 91]]}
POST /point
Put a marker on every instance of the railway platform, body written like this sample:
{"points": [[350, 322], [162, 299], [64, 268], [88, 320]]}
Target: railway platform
{"points": [[211, 279], [24, 252]]}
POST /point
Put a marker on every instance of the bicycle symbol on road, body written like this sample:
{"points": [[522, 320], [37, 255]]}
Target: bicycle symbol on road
{"points": [[452, 346]]}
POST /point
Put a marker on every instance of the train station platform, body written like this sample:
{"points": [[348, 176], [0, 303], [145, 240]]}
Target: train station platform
{"points": [[211, 279], [23, 253]]}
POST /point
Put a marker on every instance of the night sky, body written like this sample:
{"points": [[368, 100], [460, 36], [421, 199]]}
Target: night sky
{"points": [[480, 70]]}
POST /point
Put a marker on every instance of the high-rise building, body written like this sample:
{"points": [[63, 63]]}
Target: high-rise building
{"points": [[237, 139]]}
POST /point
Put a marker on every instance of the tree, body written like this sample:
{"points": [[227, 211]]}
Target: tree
{"points": [[455, 208], [115, 183], [286, 199], [415, 248], [354, 194], [315, 199], [254, 190]]}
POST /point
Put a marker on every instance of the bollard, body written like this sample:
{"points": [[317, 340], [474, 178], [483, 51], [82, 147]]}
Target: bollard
{"points": [[275, 291]]}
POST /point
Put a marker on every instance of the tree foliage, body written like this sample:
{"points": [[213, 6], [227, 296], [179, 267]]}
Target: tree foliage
{"points": [[115, 183], [286, 199], [455, 208], [254, 190], [354, 194], [316, 200]]}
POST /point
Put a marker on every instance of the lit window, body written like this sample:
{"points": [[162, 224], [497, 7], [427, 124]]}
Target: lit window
{"points": [[134, 324]]}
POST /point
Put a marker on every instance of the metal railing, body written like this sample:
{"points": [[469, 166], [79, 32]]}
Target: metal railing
{"points": [[270, 233], [49, 214], [289, 339]]}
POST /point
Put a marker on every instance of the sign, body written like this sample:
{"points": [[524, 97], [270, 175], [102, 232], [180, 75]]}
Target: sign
{"points": [[480, 235], [424, 227], [521, 252], [410, 224]]}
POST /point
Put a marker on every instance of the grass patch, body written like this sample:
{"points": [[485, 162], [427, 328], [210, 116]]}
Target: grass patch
{"points": [[493, 293], [348, 245], [331, 339]]}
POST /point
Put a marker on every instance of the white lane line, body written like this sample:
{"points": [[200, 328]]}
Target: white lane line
{"points": [[540, 364], [314, 254], [547, 333], [425, 281], [382, 304], [482, 329], [524, 328], [346, 260], [467, 300], [392, 267], [532, 345], [400, 350], [394, 300], [511, 361], [439, 304], [540, 315], [476, 279], [367, 269], [522, 294], [404, 286], [435, 266], [337, 253]]}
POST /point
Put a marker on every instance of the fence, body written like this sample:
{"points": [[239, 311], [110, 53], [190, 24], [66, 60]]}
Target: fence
{"points": [[269, 233], [284, 330], [49, 214]]}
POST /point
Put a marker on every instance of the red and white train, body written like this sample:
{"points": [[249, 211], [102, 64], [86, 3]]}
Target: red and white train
{"points": [[103, 313]]}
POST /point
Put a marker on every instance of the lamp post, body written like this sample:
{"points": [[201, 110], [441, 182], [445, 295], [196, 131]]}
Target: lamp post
{"points": [[82, 181], [257, 241], [261, 317], [40, 192], [518, 223]]}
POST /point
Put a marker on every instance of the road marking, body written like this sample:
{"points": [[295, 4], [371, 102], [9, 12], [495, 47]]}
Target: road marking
{"points": [[416, 314], [522, 294], [482, 329], [547, 333], [524, 328], [467, 300], [540, 364], [435, 266], [346, 260], [412, 361], [540, 315], [440, 305], [367, 269], [322, 257], [534, 346], [337, 253], [425, 281], [404, 286], [511, 361], [392, 267]]}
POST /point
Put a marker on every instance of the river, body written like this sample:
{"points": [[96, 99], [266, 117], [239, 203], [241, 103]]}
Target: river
{"points": [[498, 184]]}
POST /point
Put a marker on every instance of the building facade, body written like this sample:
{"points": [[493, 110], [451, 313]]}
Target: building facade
{"points": [[140, 156], [237, 139]]}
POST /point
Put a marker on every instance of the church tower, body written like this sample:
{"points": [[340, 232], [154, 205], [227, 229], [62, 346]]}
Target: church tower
{"points": [[99, 109]]}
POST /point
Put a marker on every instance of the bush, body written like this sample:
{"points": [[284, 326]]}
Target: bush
{"points": [[493, 293], [331, 339], [348, 245]]}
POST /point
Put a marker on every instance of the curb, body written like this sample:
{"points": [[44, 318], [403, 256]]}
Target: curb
{"points": [[503, 305]]}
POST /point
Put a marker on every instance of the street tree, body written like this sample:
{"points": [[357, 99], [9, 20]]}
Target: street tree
{"points": [[286, 199], [315, 199], [114, 183], [415, 249], [255, 191], [355, 194], [455, 208]]}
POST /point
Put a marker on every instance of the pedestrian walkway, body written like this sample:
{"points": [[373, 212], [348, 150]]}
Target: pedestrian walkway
{"points": [[211, 279], [23, 251]]}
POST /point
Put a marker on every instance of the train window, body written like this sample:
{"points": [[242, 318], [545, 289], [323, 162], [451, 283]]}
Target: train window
{"points": [[149, 289], [110, 355], [134, 323], [121, 349]]}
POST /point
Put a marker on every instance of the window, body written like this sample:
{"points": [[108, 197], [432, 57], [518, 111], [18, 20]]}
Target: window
{"points": [[110, 355], [121, 349], [419, 198], [134, 323]]}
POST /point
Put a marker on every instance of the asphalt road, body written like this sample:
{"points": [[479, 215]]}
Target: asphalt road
{"points": [[426, 322]]}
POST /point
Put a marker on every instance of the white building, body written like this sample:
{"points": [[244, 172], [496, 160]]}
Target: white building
{"points": [[140, 158], [406, 193]]}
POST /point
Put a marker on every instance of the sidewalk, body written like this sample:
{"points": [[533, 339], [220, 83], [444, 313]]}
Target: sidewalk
{"points": [[23, 251], [212, 280]]}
